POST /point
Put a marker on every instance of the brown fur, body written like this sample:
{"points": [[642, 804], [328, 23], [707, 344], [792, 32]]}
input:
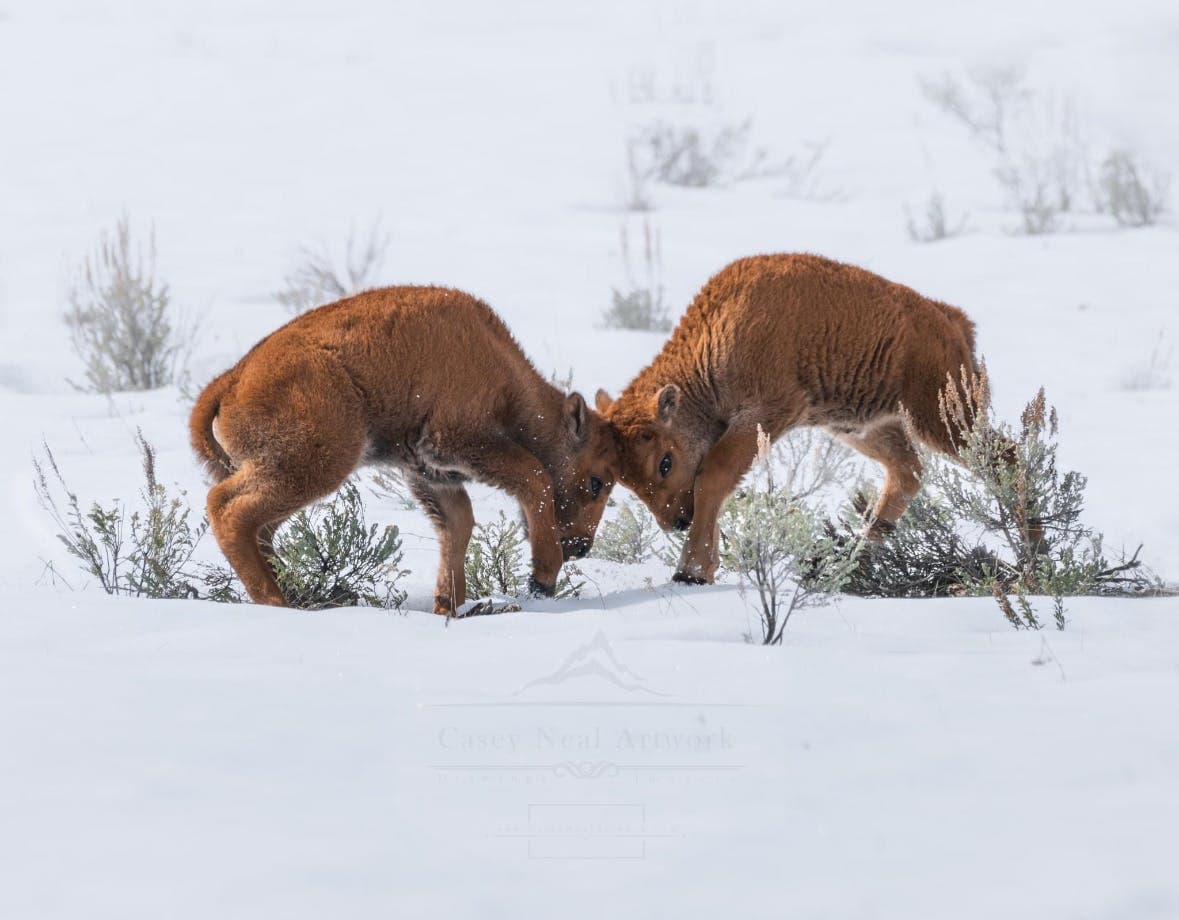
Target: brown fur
{"points": [[424, 378], [780, 341]]}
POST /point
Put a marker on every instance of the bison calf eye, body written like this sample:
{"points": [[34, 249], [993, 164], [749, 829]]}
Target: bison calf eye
{"points": [[665, 465], [595, 486]]}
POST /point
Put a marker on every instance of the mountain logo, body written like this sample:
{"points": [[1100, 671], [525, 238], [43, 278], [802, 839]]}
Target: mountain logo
{"points": [[595, 660]]}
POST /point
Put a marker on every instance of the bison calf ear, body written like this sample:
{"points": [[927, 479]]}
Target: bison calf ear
{"points": [[602, 401], [666, 403], [575, 414]]}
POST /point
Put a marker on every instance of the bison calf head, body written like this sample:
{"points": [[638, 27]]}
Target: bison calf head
{"points": [[585, 477], [659, 462]]}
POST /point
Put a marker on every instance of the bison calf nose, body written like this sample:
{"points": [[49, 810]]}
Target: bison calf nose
{"points": [[575, 547], [682, 522]]}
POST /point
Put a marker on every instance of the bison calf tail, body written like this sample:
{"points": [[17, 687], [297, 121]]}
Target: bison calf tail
{"points": [[200, 426]]}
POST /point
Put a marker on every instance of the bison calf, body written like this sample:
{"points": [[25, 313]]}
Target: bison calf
{"points": [[426, 379], [780, 341]]}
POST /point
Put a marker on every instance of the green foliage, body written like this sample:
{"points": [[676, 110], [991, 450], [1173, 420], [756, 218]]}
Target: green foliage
{"points": [[147, 552], [1008, 489], [120, 318], [327, 556], [163, 539], [1004, 521], [630, 538], [778, 544], [1013, 488], [495, 562], [924, 556]]}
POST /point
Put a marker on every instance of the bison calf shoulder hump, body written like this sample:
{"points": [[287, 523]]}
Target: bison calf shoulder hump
{"points": [[427, 379], [778, 341]]}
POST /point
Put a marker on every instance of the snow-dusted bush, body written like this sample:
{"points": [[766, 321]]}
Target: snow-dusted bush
{"points": [[680, 135], [984, 104], [1045, 171], [121, 319], [640, 304], [1043, 154], [329, 556], [777, 545], [629, 538], [692, 155], [1002, 521], [319, 277], [1008, 487], [496, 563], [935, 223], [807, 464], [708, 153], [1011, 485], [146, 552], [1133, 193], [1034, 190], [326, 556], [924, 555]]}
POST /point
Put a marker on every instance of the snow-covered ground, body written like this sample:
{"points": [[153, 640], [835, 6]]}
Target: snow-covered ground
{"points": [[627, 752]]}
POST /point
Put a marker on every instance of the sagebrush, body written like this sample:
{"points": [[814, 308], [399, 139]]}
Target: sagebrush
{"points": [[1133, 193], [1004, 520], [777, 545], [121, 319], [319, 277], [145, 552], [497, 562], [935, 223], [630, 538], [325, 556], [329, 556], [640, 304], [1044, 152]]}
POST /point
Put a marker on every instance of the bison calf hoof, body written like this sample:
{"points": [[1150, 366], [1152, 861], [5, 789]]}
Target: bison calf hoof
{"points": [[443, 605], [684, 578], [879, 531], [536, 589]]}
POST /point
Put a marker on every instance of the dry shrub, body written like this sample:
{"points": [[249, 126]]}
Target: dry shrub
{"points": [[640, 304], [318, 277], [121, 321]]}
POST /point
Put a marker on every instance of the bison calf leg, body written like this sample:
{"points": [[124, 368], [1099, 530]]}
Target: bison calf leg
{"points": [[503, 463], [240, 513], [889, 445], [721, 470], [540, 518], [449, 509]]}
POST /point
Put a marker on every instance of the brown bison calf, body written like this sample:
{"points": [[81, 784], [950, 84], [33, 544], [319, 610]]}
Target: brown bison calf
{"points": [[780, 341], [423, 378]]}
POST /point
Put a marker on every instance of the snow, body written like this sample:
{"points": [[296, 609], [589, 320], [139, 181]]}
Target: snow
{"points": [[628, 752], [921, 759]]}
